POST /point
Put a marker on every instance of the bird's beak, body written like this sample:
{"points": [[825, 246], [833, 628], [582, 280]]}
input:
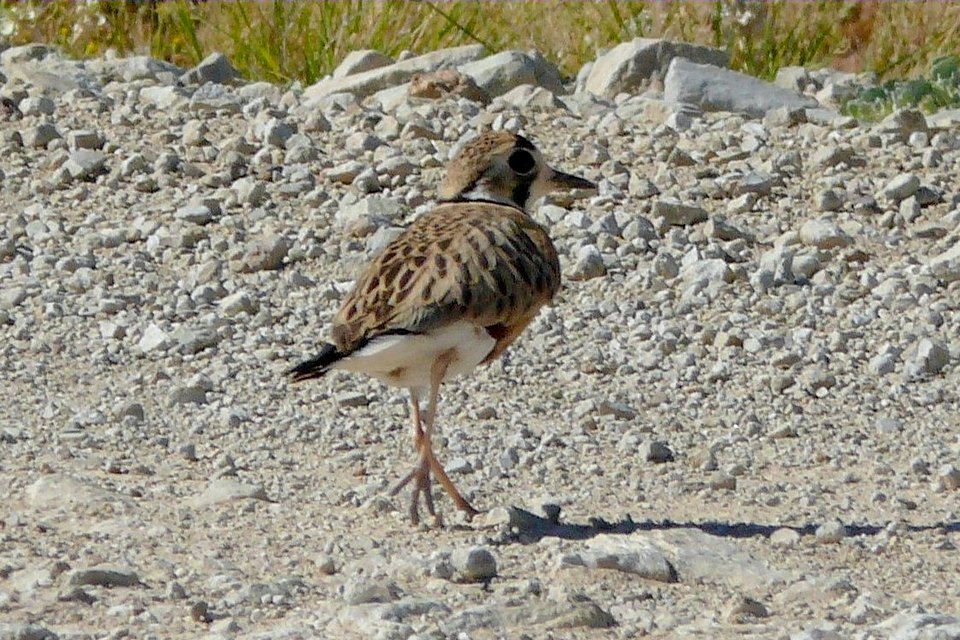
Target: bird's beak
{"points": [[561, 180]]}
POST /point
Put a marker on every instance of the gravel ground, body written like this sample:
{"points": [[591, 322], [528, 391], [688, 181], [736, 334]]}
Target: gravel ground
{"points": [[739, 419]]}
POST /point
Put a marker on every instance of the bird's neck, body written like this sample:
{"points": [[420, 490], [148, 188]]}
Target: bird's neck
{"points": [[481, 192]]}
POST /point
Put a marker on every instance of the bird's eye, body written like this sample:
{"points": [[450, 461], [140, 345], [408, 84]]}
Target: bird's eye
{"points": [[522, 161]]}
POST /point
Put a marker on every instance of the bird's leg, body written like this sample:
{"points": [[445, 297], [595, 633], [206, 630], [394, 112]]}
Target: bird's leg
{"points": [[428, 459], [421, 473], [428, 462]]}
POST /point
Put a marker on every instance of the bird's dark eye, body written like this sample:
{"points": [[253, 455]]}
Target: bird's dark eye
{"points": [[522, 161]]}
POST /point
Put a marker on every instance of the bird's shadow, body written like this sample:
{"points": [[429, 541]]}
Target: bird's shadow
{"points": [[527, 527]]}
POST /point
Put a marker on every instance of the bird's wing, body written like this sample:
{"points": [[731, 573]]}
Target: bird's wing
{"points": [[488, 263]]}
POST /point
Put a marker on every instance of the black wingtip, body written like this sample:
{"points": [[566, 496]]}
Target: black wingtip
{"points": [[315, 367]]}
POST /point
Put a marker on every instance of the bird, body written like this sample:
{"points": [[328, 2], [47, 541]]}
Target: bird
{"points": [[452, 292]]}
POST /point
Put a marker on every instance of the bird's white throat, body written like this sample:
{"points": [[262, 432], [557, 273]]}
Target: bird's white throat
{"points": [[481, 193]]}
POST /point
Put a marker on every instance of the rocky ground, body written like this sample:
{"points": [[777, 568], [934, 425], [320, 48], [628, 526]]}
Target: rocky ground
{"points": [[740, 418]]}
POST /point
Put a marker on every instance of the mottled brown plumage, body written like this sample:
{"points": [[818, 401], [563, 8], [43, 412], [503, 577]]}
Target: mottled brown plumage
{"points": [[454, 290], [487, 263]]}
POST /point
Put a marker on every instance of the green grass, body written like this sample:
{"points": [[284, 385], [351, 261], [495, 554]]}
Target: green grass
{"points": [[939, 89], [302, 41]]}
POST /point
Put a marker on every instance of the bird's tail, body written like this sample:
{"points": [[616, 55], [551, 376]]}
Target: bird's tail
{"points": [[316, 367]]}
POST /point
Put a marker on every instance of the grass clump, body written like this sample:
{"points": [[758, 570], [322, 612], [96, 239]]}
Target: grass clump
{"points": [[280, 42], [939, 89], [302, 41]]}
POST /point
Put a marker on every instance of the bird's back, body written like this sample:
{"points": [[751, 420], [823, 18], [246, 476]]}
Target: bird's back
{"points": [[480, 261]]}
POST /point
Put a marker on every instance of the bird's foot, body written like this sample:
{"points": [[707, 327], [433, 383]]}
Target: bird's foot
{"points": [[422, 478], [422, 485]]}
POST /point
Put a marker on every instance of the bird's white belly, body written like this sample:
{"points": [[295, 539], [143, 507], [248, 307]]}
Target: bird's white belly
{"points": [[406, 360]]}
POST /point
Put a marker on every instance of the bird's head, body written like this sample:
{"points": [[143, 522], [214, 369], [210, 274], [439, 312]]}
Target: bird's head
{"points": [[504, 167]]}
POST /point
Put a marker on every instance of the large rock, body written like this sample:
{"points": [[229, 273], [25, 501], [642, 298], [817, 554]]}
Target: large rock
{"points": [[37, 105], [215, 97], [589, 264], [474, 564], [901, 187], [630, 65], [391, 98], [700, 557], [902, 123], [265, 253], [503, 71], [678, 555], [712, 271], [214, 68], [229, 490], [712, 88], [57, 491], [369, 82], [541, 614], [237, 303], [23, 631], [84, 164], [946, 266], [361, 590], [793, 78], [52, 75], [49, 74], [105, 577], [823, 234], [135, 68], [153, 339], [945, 118], [679, 213], [360, 61], [379, 614], [493, 76], [11, 298], [192, 340], [25, 53], [163, 97], [40, 135], [527, 96], [919, 626], [367, 215], [778, 263], [629, 554], [928, 358]]}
